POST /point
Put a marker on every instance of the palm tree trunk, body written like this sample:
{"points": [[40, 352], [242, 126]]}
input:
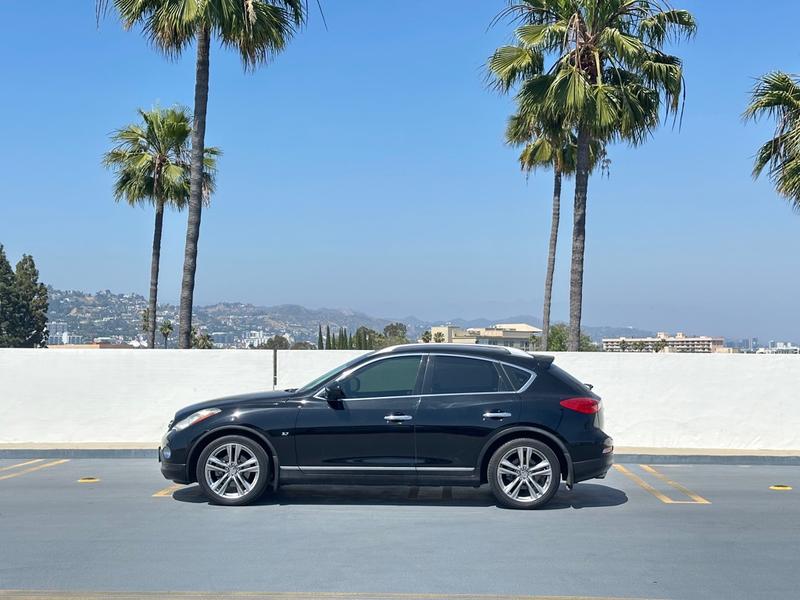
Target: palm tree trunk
{"points": [[578, 240], [154, 266], [551, 255], [196, 187]]}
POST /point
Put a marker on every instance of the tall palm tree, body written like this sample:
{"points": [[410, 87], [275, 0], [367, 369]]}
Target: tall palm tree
{"points": [[257, 29], [166, 330], [608, 77], [548, 144], [777, 95], [151, 162]]}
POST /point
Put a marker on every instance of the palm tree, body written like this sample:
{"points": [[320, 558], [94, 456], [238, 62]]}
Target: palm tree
{"points": [[777, 95], [166, 330], [257, 29], [150, 160], [548, 144], [609, 79]]}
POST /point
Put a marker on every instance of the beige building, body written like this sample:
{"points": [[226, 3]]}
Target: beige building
{"points": [[663, 342], [510, 335]]}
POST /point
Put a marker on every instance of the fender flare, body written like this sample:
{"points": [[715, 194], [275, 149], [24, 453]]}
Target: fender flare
{"points": [[232, 430], [531, 429]]}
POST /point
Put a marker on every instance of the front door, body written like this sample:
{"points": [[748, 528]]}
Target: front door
{"points": [[465, 400], [371, 430]]}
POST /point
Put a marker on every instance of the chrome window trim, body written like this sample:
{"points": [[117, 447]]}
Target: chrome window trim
{"points": [[348, 372]]}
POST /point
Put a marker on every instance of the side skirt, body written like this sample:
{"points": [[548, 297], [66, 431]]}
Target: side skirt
{"points": [[291, 475]]}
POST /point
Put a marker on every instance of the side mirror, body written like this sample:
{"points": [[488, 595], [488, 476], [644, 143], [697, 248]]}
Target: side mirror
{"points": [[334, 392]]}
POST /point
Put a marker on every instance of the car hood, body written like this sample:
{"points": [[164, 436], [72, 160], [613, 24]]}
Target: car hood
{"points": [[228, 401]]}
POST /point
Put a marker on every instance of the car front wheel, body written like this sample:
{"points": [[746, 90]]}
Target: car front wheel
{"points": [[233, 470], [524, 473]]}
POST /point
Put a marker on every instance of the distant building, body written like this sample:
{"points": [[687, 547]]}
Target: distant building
{"points": [[780, 348], [663, 342], [223, 338], [254, 339], [64, 338], [747, 345], [57, 328], [511, 335], [93, 346]]}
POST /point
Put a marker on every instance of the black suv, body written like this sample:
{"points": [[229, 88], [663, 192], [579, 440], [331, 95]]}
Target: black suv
{"points": [[418, 414]]}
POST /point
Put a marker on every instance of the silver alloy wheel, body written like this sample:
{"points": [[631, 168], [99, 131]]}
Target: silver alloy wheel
{"points": [[524, 474], [232, 471]]}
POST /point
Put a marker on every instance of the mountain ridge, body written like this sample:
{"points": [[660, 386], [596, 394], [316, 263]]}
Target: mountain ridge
{"points": [[108, 314]]}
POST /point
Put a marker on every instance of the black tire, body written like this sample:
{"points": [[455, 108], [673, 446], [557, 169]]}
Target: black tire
{"points": [[529, 497], [237, 480]]}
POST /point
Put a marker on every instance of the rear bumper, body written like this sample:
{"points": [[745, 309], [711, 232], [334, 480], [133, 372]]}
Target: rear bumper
{"points": [[595, 468]]}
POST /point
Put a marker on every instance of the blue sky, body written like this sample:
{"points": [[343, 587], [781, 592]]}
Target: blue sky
{"points": [[365, 168]]}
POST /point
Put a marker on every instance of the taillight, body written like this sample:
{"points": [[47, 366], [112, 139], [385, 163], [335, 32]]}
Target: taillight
{"points": [[586, 406]]}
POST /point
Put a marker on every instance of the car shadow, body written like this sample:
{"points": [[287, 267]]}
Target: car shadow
{"points": [[584, 495]]}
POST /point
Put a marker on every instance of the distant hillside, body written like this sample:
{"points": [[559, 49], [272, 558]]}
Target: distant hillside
{"points": [[106, 314]]}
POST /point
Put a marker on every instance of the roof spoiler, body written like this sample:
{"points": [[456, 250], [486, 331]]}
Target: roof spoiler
{"points": [[543, 359]]}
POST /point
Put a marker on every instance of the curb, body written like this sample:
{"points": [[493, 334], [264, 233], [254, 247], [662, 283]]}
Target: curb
{"points": [[625, 459], [78, 453], [705, 459]]}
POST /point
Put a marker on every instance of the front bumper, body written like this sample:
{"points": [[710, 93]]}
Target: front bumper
{"points": [[595, 468], [172, 469], [174, 472]]}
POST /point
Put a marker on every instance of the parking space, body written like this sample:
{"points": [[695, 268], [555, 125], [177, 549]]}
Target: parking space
{"points": [[89, 528]]}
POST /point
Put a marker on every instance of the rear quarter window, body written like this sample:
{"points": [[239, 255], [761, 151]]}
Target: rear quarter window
{"points": [[518, 377]]}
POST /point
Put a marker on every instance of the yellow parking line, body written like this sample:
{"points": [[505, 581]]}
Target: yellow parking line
{"points": [[168, 491], [22, 464], [643, 484], [696, 497], [36, 468]]}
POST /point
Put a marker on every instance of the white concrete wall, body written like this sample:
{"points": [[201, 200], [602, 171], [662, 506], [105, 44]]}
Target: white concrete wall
{"points": [[55, 396]]}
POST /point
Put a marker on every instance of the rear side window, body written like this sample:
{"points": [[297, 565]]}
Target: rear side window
{"points": [[517, 377], [460, 375]]}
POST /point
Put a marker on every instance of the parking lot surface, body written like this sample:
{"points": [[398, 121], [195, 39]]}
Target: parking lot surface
{"points": [[646, 531]]}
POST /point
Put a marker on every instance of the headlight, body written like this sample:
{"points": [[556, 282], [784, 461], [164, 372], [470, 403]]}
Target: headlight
{"points": [[193, 418]]}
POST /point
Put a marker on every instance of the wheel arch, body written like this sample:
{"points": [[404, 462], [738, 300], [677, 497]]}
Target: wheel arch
{"points": [[523, 431], [215, 434]]}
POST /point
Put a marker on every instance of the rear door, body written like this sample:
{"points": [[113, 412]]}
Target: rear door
{"points": [[465, 400]]}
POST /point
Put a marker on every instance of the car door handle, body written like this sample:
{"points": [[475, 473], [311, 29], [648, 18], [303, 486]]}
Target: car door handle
{"points": [[496, 415], [393, 418]]}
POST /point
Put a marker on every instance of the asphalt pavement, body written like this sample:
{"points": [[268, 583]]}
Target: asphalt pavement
{"points": [[646, 531]]}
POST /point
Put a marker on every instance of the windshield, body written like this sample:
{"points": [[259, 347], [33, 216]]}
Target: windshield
{"points": [[316, 382]]}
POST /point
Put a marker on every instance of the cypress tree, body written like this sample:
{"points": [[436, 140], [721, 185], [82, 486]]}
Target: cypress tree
{"points": [[320, 343], [328, 345], [34, 298], [12, 307]]}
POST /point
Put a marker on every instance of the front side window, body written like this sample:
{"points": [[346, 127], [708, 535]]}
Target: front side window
{"points": [[388, 377], [461, 375]]}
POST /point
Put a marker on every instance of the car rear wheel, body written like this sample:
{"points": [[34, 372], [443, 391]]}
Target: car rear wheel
{"points": [[524, 473], [233, 470]]}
